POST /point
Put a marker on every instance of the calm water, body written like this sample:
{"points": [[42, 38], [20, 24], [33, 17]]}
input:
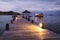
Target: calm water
{"points": [[4, 19], [51, 22]]}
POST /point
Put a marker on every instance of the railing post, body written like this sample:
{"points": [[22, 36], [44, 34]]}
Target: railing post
{"points": [[7, 26], [28, 18], [22, 16], [32, 21], [14, 18], [42, 25], [11, 21]]}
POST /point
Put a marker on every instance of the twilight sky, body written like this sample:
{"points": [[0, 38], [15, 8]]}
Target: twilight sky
{"points": [[32, 5]]}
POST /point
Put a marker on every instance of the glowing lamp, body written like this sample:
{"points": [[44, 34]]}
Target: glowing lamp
{"points": [[41, 25], [17, 18]]}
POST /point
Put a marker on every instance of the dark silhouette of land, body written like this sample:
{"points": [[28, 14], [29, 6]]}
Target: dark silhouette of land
{"points": [[26, 11], [9, 13]]}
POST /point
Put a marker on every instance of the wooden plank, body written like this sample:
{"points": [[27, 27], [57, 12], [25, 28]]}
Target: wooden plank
{"points": [[24, 30]]}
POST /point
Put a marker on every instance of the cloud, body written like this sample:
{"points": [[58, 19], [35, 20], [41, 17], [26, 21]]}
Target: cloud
{"points": [[5, 6], [32, 5]]}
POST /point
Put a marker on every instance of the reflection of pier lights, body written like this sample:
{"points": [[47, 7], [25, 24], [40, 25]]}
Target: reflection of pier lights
{"points": [[40, 17]]}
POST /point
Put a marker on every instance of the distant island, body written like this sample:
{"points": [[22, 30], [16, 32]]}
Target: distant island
{"points": [[9, 13]]}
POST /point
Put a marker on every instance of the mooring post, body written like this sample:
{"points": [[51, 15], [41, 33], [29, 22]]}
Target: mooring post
{"points": [[42, 25], [42, 22], [28, 18], [7, 26], [22, 16], [14, 18], [11, 21], [32, 21]]}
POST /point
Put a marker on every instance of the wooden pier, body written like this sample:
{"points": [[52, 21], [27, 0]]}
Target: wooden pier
{"points": [[21, 29]]}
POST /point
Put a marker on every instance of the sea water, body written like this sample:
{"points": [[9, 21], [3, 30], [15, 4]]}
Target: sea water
{"points": [[4, 19]]}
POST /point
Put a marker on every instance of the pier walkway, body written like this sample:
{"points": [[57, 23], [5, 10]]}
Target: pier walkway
{"points": [[21, 29]]}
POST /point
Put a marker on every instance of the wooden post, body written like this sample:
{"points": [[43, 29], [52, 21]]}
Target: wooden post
{"points": [[26, 17], [7, 26], [22, 16], [42, 25], [14, 18], [32, 21], [42, 22], [11, 21]]}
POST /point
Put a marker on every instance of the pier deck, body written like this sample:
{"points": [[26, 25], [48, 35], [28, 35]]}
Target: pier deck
{"points": [[21, 29]]}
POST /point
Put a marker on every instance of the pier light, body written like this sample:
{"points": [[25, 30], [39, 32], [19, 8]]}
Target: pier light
{"points": [[17, 18], [41, 25]]}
